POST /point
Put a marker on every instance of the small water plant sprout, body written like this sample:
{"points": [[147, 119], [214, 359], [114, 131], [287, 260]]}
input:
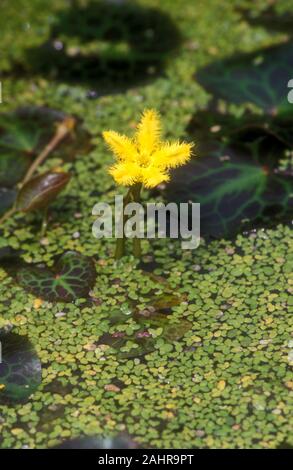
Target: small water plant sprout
{"points": [[144, 160]]}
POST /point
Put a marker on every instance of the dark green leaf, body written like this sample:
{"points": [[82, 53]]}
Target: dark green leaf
{"points": [[20, 369], [13, 167], [28, 130], [235, 183], [260, 78], [71, 278], [211, 123], [16, 135]]}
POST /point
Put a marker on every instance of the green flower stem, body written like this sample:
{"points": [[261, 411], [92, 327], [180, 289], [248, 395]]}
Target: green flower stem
{"points": [[132, 195], [136, 241], [120, 242]]}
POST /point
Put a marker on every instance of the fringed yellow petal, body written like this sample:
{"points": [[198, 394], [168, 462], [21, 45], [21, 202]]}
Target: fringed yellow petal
{"points": [[172, 155], [152, 176], [145, 159], [122, 147], [125, 174], [148, 131]]}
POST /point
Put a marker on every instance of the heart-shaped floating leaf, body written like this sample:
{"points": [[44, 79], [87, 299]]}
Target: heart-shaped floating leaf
{"points": [[235, 182], [20, 369], [28, 130], [71, 278], [260, 78], [210, 123], [40, 191], [118, 442]]}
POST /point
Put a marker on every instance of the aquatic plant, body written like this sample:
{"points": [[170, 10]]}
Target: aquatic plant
{"points": [[144, 160], [33, 192], [39, 192]]}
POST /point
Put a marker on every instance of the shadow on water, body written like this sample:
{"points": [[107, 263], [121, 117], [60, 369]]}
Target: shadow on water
{"points": [[104, 45], [240, 179]]}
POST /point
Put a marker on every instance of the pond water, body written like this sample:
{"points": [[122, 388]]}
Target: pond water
{"points": [[182, 348]]}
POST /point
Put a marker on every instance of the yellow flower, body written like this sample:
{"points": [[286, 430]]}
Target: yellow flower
{"points": [[145, 158]]}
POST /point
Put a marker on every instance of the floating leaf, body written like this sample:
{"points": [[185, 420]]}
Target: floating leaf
{"points": [[71, 278], [20, 369], [13, 167], [40, 191], [27, 131], [24, 134], [235, 182], [209, 124], [260, 78], [16, 135], [280, 127]]}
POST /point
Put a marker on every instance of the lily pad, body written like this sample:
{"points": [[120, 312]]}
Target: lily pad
{"points": [[38, 192], [71, 278], [260, 78], [237, 183], [20, 369]]}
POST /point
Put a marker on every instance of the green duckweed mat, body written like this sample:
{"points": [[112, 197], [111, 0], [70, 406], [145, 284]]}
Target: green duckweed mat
{"points": [[221, 381]]}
